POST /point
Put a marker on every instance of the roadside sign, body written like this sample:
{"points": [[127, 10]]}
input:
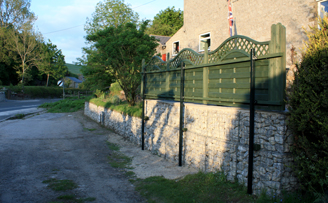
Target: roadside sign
{"points": [[60, 83]]}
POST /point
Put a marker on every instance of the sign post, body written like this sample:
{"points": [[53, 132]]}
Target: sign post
{"points": [[60, 83]]}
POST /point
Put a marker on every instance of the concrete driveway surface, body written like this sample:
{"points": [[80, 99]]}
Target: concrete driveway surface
{"points": [[58, 146]]}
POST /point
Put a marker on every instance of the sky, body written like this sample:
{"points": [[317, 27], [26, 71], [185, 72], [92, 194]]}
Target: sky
{"points": [[56, 16]]}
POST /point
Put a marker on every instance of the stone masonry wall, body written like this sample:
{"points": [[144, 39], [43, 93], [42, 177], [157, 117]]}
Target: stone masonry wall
{"points": [[216, 138]]}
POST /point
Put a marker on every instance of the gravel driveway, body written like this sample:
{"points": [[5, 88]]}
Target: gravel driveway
{"points": [[70, 146]]}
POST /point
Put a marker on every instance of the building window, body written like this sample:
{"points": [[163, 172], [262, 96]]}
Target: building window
{"points": [[322, 8], [176, 48], [203, 38]]}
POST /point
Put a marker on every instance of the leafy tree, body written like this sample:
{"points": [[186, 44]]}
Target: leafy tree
{"points": [[110, 13], [308, 107], [52, 61], [96, 75], [8, 60], [122, 49], [16, 13], [167, 22], [26, 45]]}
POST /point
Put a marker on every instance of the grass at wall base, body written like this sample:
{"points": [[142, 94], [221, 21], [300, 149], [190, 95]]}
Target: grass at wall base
{"points": [[308, 114]]}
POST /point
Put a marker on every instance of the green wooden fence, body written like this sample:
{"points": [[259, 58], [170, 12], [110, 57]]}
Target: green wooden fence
{"points": [[222, 77]]}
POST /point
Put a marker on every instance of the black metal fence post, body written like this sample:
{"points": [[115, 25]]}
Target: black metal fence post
{"points": [[181, 114], [251, 125], [143, 106]]}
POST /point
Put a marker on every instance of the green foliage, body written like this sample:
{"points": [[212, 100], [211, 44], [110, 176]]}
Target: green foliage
{"points": [[27, 44], [122, 49], [114, 99], [16, 13], [41, 92], [15, 18], [64, 106], [99, 93], [110, 13], [167, 22], [308, 107], [123, 108], [52, 61], [115, 88]]}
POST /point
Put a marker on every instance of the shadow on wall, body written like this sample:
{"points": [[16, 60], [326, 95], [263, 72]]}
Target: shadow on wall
{"points": [[218, 138]]}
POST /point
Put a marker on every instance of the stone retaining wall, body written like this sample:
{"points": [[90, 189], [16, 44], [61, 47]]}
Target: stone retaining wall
{"points": [[216, 138]]}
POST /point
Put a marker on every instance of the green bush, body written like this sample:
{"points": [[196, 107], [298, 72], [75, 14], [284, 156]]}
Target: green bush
{"points": [[115, 88], [99, 94], [308, 113], [41, 91], [114, 99]]}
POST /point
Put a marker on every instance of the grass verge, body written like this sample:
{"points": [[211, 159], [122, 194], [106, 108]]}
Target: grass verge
{"points": [[65, 105], [208, 188], [200, 187]]}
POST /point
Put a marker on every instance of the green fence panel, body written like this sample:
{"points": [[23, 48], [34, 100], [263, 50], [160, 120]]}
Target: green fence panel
{"points": [[222, 76]]}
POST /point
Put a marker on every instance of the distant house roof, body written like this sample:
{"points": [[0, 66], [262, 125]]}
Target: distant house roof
{"points": [[74, 79], [162, 39]]}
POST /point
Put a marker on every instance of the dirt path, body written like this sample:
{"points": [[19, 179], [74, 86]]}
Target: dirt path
{"points": [[70, 147]]}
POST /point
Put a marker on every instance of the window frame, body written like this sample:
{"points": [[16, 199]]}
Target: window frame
{"points": [[200, 41], [319, 3], [173, 50]]}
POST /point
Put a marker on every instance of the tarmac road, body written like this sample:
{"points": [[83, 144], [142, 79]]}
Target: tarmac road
{"points": [[58, 146], [10, 108]]}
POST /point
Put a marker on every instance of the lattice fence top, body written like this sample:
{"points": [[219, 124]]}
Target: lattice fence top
{"points": [[156, 64], [233, 43], [238, 43]]}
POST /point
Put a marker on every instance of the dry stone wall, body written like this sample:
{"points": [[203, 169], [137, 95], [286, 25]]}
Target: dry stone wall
{"points": [[216, 138]]}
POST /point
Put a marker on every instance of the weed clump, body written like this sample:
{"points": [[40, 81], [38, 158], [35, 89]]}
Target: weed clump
{"points": [[60, 185]]}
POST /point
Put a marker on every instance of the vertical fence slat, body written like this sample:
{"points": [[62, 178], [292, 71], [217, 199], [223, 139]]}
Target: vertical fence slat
{"points": [[167, 74], [181, 114], [277, 66], [205, 74]]}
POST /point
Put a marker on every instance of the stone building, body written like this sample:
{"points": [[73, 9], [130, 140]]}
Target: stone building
{"points": [[209, 20], [161, 48]]}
